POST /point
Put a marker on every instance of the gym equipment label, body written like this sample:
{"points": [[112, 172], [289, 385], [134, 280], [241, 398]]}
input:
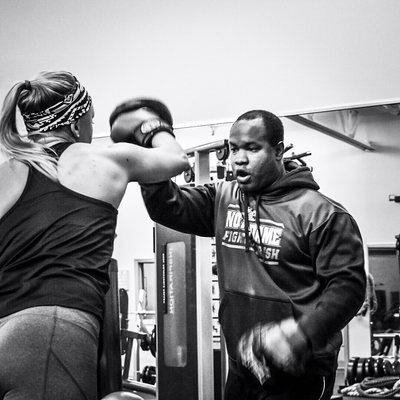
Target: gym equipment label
{"points": [[174, 298]]}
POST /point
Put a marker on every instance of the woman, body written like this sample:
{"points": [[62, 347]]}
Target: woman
{"points": [[58, 211]]}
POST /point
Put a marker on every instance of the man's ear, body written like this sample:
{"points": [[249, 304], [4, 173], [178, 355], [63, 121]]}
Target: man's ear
{"points": [[75, 129], [279, 150]]}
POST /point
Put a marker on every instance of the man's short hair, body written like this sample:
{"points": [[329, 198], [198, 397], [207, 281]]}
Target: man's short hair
{"points": [[273, 125]]}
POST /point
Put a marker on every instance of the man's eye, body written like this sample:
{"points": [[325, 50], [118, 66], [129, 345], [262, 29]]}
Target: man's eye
{"points": [[233, 149]]}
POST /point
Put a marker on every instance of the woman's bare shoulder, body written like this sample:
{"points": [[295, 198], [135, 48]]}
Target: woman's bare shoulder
{"points": [[85, 168]]}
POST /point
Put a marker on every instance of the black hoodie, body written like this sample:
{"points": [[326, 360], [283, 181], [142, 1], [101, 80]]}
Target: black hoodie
{"points": [[309, 263]]}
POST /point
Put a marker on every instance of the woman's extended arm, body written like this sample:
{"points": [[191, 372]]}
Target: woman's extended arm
{"points": [[148, 165]]}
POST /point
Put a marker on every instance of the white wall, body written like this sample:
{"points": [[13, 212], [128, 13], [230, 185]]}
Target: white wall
{"points": [[134, 230], [208, 59], [360, 180]]}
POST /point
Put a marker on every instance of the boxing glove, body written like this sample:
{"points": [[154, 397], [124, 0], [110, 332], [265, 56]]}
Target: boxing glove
{"points": [[138, 120], [281, 345], [251, 358]]}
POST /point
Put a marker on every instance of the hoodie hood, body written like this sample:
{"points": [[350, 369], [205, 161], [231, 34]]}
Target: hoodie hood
{"points": [[299, 178]]}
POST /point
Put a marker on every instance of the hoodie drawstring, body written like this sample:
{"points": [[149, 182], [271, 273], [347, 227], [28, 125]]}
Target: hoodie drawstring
{"points": [[259, 228], [244, 207], [245, 204]]}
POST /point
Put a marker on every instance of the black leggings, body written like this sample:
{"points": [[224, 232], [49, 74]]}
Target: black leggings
{"points": [[311, 387]]}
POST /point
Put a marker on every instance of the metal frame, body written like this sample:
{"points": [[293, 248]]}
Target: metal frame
{"points": [[138, 262], [205, 148], [203, 290], [286, 113], [330, 132], [297, 116], [201, 156], [382, 248]]}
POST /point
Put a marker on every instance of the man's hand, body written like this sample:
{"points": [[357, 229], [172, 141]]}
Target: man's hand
{"points": [[250, 360], [280, 345]]}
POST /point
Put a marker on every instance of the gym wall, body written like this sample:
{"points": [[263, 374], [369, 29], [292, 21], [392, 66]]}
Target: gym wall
{"points": [[212, 60], [208, 59]]}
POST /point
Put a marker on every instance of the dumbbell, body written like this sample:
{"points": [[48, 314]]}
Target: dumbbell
{"points": [[149, 342], [351, 371], [358, 368], [361, 369], [370, 371], [387, 368], [396, 367], [148, 375], [188, 175], [223, 153]]}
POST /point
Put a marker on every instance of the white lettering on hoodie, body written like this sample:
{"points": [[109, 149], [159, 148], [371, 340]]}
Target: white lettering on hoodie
{"points": [[270, 232]]}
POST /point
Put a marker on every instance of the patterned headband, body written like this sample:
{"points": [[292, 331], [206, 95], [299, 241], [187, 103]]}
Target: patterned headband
{"points": [[65, 112]]}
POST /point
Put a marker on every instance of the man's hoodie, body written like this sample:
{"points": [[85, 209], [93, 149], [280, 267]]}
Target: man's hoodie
{"points": [[286, 252]]}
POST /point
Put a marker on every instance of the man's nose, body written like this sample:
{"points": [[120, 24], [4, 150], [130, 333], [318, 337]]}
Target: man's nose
{"points": [[241, 157]]}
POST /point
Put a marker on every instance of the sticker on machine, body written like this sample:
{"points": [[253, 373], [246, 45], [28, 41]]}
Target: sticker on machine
{"points": [[265, 237]]}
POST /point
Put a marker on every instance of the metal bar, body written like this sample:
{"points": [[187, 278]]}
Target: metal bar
{"points": [[145, 312], [139, 387], [133, 334], [287, 113], [337, 107], [224, 362], [330, 132], [137, 360], [127, 361], [346, 346], [203, 290], [206, 148], [386, 335], [298, 156], [199, 124]]}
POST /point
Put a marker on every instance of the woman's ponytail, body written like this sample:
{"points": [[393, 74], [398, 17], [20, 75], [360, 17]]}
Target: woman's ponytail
{"points": [[47, 88]]}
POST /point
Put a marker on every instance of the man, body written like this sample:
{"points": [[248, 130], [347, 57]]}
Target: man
{"points": [[290, 264]]}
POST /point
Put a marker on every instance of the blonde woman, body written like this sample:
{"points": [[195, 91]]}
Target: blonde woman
{"points": [[58, 212]]}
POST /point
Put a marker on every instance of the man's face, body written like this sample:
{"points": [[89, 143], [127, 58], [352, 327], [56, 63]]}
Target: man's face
{"points": [[256, 164]]}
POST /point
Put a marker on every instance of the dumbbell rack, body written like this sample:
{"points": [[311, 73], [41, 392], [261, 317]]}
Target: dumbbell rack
{"points": [[360, 368], [374, 372]]}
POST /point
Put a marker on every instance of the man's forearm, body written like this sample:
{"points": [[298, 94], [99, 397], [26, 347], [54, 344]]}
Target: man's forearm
{"points": [[188, 210], [338, 255]]}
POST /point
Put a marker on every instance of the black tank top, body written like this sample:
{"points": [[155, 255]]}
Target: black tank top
{"points": [[55, 247]]}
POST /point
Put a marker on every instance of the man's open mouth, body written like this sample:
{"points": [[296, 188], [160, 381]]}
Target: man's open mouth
{"points": [[242, 176]]}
